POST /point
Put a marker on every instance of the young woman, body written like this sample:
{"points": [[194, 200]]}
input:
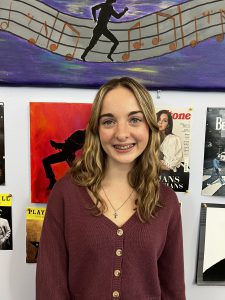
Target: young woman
{"points": [[111, 230], [171, 147]]}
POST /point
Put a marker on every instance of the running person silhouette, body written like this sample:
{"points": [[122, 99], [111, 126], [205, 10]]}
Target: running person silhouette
{"points": [[106, 11]]}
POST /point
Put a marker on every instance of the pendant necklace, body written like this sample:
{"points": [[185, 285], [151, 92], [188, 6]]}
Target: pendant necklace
{"points": [[115, 214]]}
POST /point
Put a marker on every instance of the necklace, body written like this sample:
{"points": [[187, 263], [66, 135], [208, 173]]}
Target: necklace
{"points": [[115, 214]]}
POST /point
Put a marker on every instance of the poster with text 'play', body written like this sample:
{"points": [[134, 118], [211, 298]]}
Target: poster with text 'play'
{"points": [[6, 236], [57, 132], [175, 130], [211, 252], [34, 221], [213, 181]]}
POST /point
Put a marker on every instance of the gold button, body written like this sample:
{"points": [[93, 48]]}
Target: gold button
{"points": [[119, 252], [120, 232], [117, 273], [116, 294]]}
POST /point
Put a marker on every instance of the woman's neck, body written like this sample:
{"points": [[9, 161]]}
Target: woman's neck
{"points": [[116, 175]]}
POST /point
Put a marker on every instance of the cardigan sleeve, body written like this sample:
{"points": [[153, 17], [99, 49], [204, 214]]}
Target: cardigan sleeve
{"points": [[170, 263], [52, 262]]}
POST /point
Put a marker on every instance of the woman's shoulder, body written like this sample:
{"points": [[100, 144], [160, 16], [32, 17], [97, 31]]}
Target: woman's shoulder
{"points": [[66, 183], [66, 192]]}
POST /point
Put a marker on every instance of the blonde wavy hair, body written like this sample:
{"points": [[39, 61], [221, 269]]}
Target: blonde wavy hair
{"points": [[88, 170]]}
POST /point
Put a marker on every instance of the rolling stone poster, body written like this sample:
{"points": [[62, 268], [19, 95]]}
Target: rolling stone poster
{"points": [[211, 252], [175, 126], [213, 183], [6, 240], [57, 132], [2, 145], [34, 221]]}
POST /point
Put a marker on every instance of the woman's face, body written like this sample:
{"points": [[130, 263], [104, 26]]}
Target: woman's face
{"points": [[163, 122], [123, 129]]}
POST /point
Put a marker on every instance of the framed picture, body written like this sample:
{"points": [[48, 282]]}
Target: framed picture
{"points": [[6, 232], [165, 45], [213, 181], [211, 252], [57, 132], [2, 145], [34, 222], [175, 134]]}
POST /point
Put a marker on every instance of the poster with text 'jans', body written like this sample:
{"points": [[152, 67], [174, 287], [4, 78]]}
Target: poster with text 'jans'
{"points": [[175, 134]]}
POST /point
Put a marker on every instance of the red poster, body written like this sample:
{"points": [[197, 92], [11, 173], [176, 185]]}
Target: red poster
{"points": [[56, 137]]}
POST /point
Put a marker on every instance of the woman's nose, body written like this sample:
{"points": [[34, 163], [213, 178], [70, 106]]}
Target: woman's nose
{"points": [[122, 131]]}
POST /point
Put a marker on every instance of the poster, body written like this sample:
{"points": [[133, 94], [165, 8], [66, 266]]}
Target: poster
{"points": [[175, 130], [211, 253], [6, 236], [34, 221], [57, 132], [2, 145], [213, 181]]}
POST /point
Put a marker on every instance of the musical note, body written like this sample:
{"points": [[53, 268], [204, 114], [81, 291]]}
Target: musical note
{"points": [[54, 47], [6, 23], [30, 17], [207, 14], [193, 43], [136, 45], [56, 18], [157, 40], [220, 37], [181, 25], [34, 41]]}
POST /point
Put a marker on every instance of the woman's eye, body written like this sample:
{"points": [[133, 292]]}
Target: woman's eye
{"points": [[135, 120], [107, 122]]}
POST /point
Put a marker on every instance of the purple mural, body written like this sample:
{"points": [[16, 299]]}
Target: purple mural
{"points": [[163, 44]]}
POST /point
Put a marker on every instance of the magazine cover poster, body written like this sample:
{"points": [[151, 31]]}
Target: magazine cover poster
{"points": [[34, 221], [6, 237], [57, 132], [175, 126], [2, 145], [213, 183], [211, 253]]}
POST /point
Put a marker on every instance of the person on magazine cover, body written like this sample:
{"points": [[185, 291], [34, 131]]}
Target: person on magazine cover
{"points": [[111, 229], [67, 153], [216, 172], [5, 233], [171, 146]]}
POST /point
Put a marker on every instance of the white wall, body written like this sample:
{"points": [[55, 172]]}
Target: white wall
{"points": [[17, 279]]}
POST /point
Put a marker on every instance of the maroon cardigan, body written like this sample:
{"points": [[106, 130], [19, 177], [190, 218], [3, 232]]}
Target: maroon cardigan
{"points": [[84, 257]]}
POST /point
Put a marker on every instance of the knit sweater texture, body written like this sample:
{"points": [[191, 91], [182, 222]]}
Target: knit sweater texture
{"points": [[86, 257]]}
